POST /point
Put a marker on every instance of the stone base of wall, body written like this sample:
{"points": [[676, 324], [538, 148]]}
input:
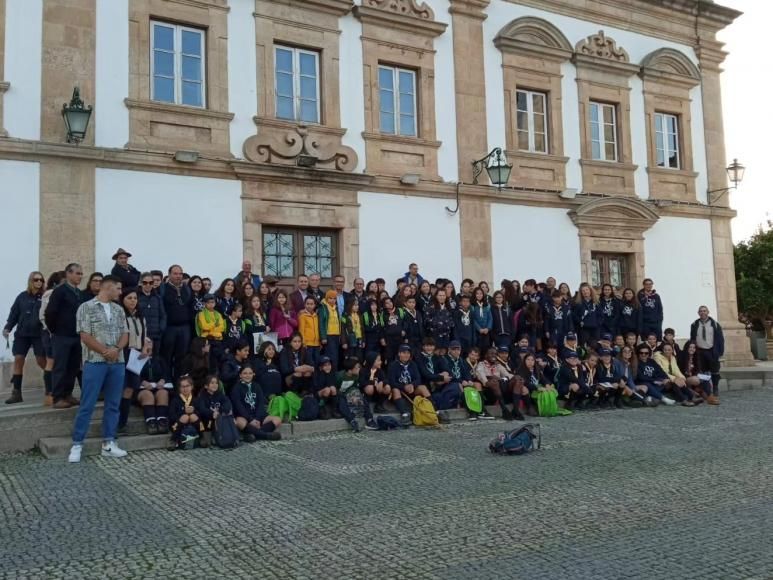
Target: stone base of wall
{"points": [[33, 376]]}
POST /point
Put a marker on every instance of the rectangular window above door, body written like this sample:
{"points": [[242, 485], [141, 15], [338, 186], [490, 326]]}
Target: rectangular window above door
{"points": [[289, 252]]}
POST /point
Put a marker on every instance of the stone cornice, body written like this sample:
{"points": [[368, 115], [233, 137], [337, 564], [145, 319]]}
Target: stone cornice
{"points": [[407, 22], [179, 109], [336, 7], [293, 175]]}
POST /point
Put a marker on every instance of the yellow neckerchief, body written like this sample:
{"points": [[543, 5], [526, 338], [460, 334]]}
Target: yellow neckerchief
{"points": [[591, 374], [210, 316], [356, 326], [187, 400]]}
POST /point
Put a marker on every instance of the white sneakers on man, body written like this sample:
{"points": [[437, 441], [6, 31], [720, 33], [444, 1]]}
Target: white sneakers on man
{"points": [[75, 454], [668, 401], [111, 449]]}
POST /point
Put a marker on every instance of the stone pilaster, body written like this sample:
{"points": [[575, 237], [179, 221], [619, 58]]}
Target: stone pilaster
{"points": [[67, 230], [470, 87], [737, 351], [69, 60]]}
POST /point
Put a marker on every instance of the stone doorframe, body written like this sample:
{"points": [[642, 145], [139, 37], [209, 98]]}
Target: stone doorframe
{"points": [[613, 225]]}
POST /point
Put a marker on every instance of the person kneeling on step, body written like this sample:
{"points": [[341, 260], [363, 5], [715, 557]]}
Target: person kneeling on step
{"points": [[250, 409], [403, 377], [209, 405], [351, 400], [186, 425]]}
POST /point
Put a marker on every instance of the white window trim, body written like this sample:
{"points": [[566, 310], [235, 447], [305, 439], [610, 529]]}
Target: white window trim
{"points": [[296, 52], [178, 77], [396, 95], [661, 141], [602, 140], [530, 119]]}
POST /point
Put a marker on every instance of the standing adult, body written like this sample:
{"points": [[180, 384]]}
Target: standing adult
{"points": [[177, 298], [60, 321], [151, 308], [246, 273], [101, 324], [651, 310], [124, 271], [342, 296], [314, 290], [25, 318], [298, 296], [92, 286], [358, 293], [45, 335], [710, 340], [412, 276]]}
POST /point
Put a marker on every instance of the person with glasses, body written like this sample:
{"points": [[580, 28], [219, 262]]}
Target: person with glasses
{"points": [[649, 373], [152, 310], [60, 321], [25, 318], [92, 286]]}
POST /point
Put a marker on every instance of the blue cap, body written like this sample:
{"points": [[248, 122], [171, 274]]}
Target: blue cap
{"points": [[523, 349], [571, 336], [454, 344], [606, 336], [605, 352], [324, 360], [503, 349], [570, 354], [404, 348], [208, 297]]}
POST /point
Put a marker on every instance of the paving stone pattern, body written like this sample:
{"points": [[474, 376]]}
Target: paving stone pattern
{"points": [[667, 493]]}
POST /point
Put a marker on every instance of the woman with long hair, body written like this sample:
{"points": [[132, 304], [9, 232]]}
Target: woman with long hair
{"points": [[586, 315], [281, 318], [225, 297]]}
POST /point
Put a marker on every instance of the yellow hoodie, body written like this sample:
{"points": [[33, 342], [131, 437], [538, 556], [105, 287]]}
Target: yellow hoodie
{"points": [[671, 368]]}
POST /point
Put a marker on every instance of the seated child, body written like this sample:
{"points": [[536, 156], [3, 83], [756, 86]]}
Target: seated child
{"points": [[351, 402], [209, 405], [250, 411], [185, 422], [151, 392], [403, 377], [325, 389]]}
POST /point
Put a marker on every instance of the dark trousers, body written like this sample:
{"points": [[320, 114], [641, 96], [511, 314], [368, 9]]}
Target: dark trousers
{"points": [[331, 349], [709, 363], [348, 414], [67, 365], [649, 327], [174, 346]]}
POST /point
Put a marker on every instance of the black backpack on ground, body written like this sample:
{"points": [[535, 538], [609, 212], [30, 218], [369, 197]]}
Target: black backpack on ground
{"points": [[226, 434]]}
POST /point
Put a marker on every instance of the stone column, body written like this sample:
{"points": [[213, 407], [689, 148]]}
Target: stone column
{"points": [[467, 18], [737, 348]]}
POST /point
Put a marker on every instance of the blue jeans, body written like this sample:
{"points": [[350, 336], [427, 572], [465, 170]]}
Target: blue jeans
{"points": [[99, 377]]}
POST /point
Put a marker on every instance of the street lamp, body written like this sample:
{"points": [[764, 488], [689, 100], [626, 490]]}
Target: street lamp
{"points": [[735, 173], [496, 166], [76, 118]]}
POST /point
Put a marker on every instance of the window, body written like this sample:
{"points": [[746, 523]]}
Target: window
{"points": [[177, 64], [397, 97], [603, 131], [609, 269], [532, 121], [667, 140], [297, 84], [288, 252]]}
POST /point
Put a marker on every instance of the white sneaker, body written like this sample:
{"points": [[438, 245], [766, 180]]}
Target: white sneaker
{"points": [[111, 449], [668, 401], [75, 454]]}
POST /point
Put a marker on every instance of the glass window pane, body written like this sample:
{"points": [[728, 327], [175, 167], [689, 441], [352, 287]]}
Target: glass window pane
{"points": [[385, 78], [614, 273], [672, 123], [611, 152], [672, 143], [406, 104], [192, 94], [522, 120], [539, 142], [539, 123], [191, 42], [163, 89], [284, 60], [595, 273], [387, 101], [538, 102], [408, 125], [191, 68], [163, 37], [523, 140], [594, 132], [660, 158], [594, 112], [659, 123], [609, 133], [284, 85], [406, 82], [609, 114], [388, 123], [285, 108], [308, 64], [596, 150], [308, 88], [673, 160], [309, 111], [520, 98], [163, 63]]}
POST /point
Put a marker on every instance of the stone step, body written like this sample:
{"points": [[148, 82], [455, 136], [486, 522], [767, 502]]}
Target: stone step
{"points": [[59, 447]]}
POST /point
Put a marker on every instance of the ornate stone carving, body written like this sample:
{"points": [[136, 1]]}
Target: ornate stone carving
{"points": [[669, 65], [301, 146], [599, 46], [404, 7], [630, 218]]}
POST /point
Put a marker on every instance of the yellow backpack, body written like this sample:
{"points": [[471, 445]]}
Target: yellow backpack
{"points": [[424, 414]]}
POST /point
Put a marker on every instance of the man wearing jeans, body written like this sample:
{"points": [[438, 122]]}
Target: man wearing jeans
{"points": [[707, 335], [104, 334]]}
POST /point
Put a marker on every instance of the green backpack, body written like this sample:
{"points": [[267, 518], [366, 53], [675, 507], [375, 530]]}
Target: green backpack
{"points": [[286, 405], [473, 399], [547, 404]]}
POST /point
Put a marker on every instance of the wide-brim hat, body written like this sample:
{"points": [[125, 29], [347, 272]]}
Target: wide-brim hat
{"points": [[119, 252]]}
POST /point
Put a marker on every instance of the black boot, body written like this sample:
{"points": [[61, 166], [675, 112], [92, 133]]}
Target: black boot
{"points": [[517, 415], [15, 397], [618, 402]]}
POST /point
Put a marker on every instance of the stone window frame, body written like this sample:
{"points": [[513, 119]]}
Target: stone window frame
{"points": [[668, 76], [296, 74], [401, 35], [533, 51], [603, 72], [395, 71], [165, 126], [298, 232], [178, 79]]}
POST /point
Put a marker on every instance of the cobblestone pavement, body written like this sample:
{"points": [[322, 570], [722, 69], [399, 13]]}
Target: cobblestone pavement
{"points": [[665, 493]]}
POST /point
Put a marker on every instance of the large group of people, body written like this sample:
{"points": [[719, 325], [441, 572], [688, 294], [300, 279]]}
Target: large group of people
{"points": [[244, 346]]}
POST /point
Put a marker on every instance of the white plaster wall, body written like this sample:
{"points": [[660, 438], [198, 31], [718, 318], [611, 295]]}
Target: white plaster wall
{"points": [[534, 242], [242, 75], [23, 65], [167, 219], [352, 97], [501, 12], [678, 256], [111, 117], [396, 230], [699, 143], [20, 224]]}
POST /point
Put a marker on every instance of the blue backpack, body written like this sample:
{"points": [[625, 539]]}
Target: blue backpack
{"points": [[518, 441]]}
